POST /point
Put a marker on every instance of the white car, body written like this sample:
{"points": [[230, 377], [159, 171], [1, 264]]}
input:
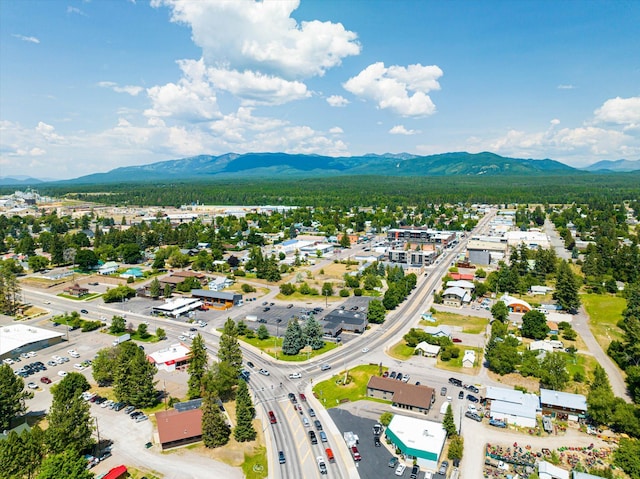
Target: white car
{"points": [[264, 372], [8, 361], [365, 350], [62, 373], [32, 386], [73, 353], [56, 357], [106, 404], [182, 338], [79, 367], [400, 469], [295, 376], [31, 354]]}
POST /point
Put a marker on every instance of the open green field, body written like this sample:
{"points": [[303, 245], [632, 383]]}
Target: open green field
{"points": [[604, 312], [331, 392], [469, 324], [273, 347]]}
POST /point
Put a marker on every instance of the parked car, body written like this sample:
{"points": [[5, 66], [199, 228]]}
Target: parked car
{"points": [[443, 391], [142, 418], [62, 373], [472, 398], [461, 395], [473, 415], [129, 409], [456, 340], [400, 469], [443, 468], [496, 423], [393, 462], [32, 385], [414, 472], [45, 380], [392, 375], [385, 374]]}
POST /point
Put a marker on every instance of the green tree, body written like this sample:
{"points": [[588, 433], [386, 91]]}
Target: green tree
{"points": [[154, 288], [10, 290], [448, 422], [38, 263], [287, 289], [197, 366], [313, 333], [12, 396], [502, 357], [66, 464], [293, 340], [385, 418], [119, 293], [263, 332], [534, 325], [167, 291], [220, 380], [244, 430], [160, 333], [215, 431], [133, 376], [627, 457], [345, 241], [21, 455], [70, 423], [143, 332], [376, 312], [553, 372], [229, 349], [118, 325], [456, 448], [130, 253], [500, 311], [103, 366], [566, 292], [327, 289], [86, 259]]}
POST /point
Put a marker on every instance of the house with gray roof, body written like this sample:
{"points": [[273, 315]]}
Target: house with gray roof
{"points": [[512, 406], [456, 296], [563, 405], [439, 331]]}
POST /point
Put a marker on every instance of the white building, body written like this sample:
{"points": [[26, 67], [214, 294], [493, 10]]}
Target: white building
{"points": [[418, 438], [428, 350], [513, 407], [109, 267], [469, 358], [175, 356], [531, 239], [21, 338], [178, 306], [546, 470]]}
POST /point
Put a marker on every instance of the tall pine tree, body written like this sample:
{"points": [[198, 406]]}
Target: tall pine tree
{"points": [[313, 333], [293, 340], [70, 424], [197, 367], [566, 293], [245, 412], [229, 349], [215, 431]]}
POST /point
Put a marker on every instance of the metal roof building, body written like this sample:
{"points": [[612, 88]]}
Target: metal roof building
{"points": [[418, 438], [20, 338], [513, 407]]}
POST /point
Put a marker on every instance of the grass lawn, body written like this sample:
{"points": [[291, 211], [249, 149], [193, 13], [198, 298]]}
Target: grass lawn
{"points": [[455, 364], [255, 465], [86, 297], [273, 347], [604, 312], [401, 351], [469, 324], [331, 392], [582, 364]]}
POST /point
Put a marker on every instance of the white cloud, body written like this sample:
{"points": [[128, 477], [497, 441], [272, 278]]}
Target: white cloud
{"points": [[401, 130], [257, 88], [337, 101], [263, 36], [76, 11], [191, 99], [555, 121], [336, 130], [565, 87], [400, 89], [130, 89], [621, 111], [25, 38]]}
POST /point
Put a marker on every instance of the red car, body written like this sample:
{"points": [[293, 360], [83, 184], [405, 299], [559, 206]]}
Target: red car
{"points": [[303, 397], [456, 340], [385, 374], [272, 417], [45, 380]]}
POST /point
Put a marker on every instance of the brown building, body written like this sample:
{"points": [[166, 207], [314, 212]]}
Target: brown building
{"points": [[403, 395], [177, 428], [76, 290]]}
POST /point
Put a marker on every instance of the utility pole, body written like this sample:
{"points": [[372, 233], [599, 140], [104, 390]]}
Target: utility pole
{"points": [[164, 393]]}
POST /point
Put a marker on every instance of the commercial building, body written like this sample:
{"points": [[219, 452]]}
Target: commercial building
{"points": [[455, 296], [403, 395], [546, 470], [563, 405], [340, 320], [21, 338], [485, 252], [422, 235], [417, 438], [516, 305], [217, 299], [513, 407], [177, 428], [174, 357], [177, 307]]}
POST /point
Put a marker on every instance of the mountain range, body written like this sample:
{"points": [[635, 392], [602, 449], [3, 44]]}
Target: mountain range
{"points": [[296, 166]]}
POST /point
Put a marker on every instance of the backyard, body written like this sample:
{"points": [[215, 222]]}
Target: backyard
{"points": [[469, 324]]}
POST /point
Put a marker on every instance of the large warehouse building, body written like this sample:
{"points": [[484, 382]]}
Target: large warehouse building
{"points": [[21, 338], [418, 438]]}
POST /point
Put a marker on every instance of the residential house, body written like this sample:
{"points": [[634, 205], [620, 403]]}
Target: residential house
{"points": [[540, 290], [441, 331], [427, 350], [76, 290], [469, 358], [455, 297], [109, 267], [177, 428]]}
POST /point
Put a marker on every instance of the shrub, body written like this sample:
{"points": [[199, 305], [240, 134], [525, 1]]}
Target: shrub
{"points": [[357, 292], [247, 288], [344, 293]]}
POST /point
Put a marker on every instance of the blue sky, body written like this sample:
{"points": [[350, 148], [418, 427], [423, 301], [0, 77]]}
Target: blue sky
{"points": [[88, 86]]}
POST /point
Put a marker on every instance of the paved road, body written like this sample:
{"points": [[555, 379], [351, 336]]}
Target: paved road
{"points": [[616, 378]]}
